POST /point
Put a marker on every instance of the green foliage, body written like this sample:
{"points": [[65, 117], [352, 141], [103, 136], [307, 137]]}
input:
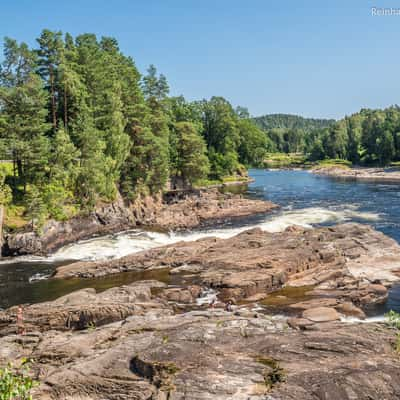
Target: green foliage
{"points": [[79, 124], [16, 383], [253, 143], [367, 137], [5, 190], [288, 121], [192, 162], [317, 151], [283, 160], [274, 373], [334, 162], [393, 319], [36, 207]]}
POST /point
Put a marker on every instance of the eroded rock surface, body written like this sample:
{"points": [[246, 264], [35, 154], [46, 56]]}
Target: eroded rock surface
{"points": [[212, 355], [131, 342], [351, 263], [86, 308]]}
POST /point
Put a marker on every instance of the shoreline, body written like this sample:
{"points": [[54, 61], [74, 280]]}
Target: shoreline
{"points": [[255, 263], [389, 174], [126, 335], [174, 211]]}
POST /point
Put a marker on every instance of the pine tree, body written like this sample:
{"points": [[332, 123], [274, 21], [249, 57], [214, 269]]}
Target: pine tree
{"points": [[192, 162], [23, 103], [49, 59]]}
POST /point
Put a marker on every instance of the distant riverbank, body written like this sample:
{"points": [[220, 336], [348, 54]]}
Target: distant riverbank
{"points": [[390, 174], [299, 161]]}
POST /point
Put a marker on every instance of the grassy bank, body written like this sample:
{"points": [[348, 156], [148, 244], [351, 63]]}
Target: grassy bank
{"points": [[296, 160], [231, 179], [284, 160]]}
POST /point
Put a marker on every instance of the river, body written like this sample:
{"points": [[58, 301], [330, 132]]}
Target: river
{"points": [[305, 199]]}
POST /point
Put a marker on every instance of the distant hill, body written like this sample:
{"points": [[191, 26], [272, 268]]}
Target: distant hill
{"points": [[289, 121]]}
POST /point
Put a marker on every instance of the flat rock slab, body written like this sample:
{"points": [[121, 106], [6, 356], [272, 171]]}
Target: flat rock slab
{"points": [[214, 355], [85, 308], [338, 261], [321, 314]]}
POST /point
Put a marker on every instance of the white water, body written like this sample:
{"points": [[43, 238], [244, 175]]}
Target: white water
{"points": [[354, 320], [207, 297], [38, 277], [115, 246]]}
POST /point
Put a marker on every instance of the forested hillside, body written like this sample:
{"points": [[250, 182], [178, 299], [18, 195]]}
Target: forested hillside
{"points": [[289, 121], [290, 133], [79, 123], [366, 137], [369, 136]]}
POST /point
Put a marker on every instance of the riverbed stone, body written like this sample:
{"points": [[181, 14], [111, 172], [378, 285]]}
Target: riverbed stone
{"points": [[254, 263], [321, 314], [86, 308], [216, 355]]}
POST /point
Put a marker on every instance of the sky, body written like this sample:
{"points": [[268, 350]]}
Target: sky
{"points": [[313, 58]]}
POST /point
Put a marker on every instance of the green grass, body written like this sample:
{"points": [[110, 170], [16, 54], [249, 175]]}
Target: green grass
{"points": [[202, 183], [332, 162], [234, 178], [295, 160], [283, 160], [15, 217]]}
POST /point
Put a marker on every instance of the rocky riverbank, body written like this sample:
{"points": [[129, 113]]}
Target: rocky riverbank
{"points": [[350, 264], [153, 341], [173, 211], [362, 174], [127, 343]]}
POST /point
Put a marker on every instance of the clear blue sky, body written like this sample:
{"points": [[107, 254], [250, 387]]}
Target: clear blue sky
{"points": [[313, 58]]}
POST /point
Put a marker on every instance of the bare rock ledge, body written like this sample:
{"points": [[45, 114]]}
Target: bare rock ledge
{"points": [[350, 263]]}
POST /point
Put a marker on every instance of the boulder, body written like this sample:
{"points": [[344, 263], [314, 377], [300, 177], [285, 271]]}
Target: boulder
{"points": [[321, 314]]}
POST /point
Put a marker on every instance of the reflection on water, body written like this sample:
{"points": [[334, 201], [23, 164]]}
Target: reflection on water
{"points": [[50, 289], [288, 295]]}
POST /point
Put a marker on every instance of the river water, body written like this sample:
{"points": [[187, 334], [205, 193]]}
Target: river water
{"points": [[306, 200]]}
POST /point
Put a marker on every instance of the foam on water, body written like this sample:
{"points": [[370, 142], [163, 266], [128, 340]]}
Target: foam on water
{"points": [[38, 277], [307, 217], [354, 320], [207, 297], [122, 244]]}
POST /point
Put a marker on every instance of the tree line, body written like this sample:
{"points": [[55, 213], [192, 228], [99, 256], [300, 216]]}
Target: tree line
{"points": [[366, 137], [80, 124], [369, 137]]}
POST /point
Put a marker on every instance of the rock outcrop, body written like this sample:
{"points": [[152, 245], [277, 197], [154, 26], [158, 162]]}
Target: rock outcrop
{"points": [[181, 210], [351, 263], [86, 308], [362, 174], [210, 355], [138, 342]]}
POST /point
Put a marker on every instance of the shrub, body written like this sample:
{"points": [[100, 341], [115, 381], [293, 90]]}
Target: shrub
{"points": [[16, 383], [393, 319]]}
